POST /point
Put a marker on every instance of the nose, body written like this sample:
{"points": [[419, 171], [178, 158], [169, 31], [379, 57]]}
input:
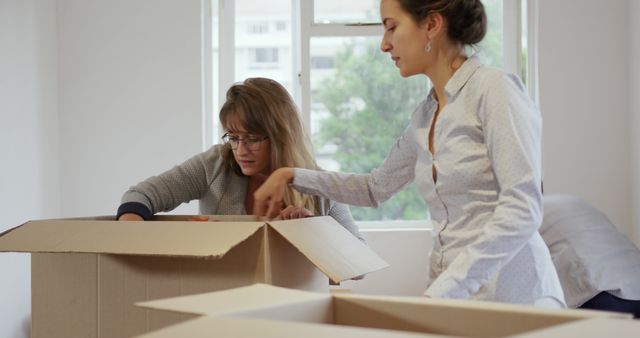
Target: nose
{"points": [[385, 46], [242, 148]]}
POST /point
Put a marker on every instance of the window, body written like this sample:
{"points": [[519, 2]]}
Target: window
{"points": [[281, 26], [346, 12], [322, 62], [261, 57], [258, 28], [353, 101]]}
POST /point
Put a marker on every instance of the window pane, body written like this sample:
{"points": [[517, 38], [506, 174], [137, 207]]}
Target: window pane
{"points": [[360, 104], [359, 107], [264, 40], [525, 33], [263, 57], [491, 46], [350, 11], [215, 79]]}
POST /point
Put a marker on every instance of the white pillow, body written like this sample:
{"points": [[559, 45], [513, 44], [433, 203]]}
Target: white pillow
{"points": [[589, 253]]}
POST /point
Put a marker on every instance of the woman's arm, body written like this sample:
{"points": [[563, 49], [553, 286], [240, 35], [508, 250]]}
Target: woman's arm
{"points": [[164, 192], [396, 171]]}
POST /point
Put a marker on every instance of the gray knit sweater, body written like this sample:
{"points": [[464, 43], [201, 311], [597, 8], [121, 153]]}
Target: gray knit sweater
{"points": [[219, 190]]}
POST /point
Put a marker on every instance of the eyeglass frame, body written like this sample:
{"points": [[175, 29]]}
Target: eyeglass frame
{"points": [[251, 143]]}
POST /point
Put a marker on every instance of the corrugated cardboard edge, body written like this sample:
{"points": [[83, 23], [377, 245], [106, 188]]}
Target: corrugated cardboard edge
{"points": [[157, 217], [97, 218], [589, 328], [486, 305], [9, 230], [250, 327], [228, 302], [221, 252]]}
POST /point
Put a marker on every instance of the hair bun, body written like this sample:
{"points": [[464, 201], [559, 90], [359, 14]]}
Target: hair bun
{"points": [[467, 21]]}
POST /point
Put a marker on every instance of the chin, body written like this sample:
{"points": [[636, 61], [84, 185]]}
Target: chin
{"points": [[404, 72], [407, 73]]}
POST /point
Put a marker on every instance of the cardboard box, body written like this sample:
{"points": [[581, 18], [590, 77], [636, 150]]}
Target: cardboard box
{"points": [[88, 273], [267, 311]]}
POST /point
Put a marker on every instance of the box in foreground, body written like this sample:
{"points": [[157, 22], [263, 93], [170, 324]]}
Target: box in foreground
{"points": [[266, 311], [88, 273]]}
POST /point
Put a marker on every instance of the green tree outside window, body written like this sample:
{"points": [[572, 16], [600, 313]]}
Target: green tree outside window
{"points": [[369, 106]]}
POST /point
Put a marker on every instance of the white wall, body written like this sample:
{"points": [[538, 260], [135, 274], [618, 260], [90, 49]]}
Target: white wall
{"points": [[408, 270], [130, 95], [29, 176], [122, 103], [585, 100], [634, 126]]}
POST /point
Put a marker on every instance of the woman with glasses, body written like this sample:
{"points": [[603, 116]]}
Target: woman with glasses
{"points": [[473, 147], [262, 133]]}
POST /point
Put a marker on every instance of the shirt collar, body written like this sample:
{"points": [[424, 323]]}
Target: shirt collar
{"points": [[460, 77]]}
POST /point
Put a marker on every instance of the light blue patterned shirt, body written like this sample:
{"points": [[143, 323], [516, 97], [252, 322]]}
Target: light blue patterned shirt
{"points": [[486, 205]]}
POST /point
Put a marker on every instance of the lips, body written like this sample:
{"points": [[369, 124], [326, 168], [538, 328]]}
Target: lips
{"points": [[395, 59]]}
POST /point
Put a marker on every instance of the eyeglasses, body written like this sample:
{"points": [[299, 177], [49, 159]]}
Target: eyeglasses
{"points": [[250, 142]]}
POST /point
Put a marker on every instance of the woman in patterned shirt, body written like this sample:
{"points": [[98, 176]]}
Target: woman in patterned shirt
{"points": [[473, 147]]}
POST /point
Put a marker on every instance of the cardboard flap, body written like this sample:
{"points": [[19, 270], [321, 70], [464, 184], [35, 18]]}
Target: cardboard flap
{"points": [[236, 300], [211, 218], [331, 247], [589, 328], [206, 239], [474, 306], [240, 327], [421, 314]]}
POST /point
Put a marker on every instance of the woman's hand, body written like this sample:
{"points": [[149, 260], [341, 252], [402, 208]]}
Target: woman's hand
{"points": [[292, 212], [268, 198], [130, 217]]}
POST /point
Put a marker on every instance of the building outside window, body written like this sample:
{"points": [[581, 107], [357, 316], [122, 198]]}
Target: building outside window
{"points": [[263, 57], [258, 28]]}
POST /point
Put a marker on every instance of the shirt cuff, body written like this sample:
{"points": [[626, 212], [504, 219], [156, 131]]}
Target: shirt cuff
{"points": [[134, 208]]}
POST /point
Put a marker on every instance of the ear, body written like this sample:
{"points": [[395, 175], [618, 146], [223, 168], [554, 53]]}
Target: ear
{"points": [[433, 25]]}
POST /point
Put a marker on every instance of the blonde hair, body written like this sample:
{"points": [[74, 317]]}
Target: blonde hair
{"points": [[264, 107]]}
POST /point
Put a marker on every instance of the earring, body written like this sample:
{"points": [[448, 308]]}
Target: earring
{"points": [[427, 48]]}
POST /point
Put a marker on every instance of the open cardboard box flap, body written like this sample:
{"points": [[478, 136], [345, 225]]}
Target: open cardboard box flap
{"points": [[322, 240], [333, 249], [243, 299], [207, 327], [275, 310], [87, 273], [592, 328], [171, 238]]}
